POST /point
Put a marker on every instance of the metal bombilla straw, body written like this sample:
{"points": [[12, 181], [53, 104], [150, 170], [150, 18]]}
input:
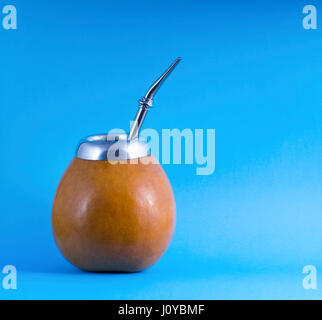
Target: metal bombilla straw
{"points": [[146, 103]]}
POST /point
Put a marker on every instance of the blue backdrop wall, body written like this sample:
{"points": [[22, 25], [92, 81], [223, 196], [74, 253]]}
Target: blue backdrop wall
{"points": [[250, 70]]}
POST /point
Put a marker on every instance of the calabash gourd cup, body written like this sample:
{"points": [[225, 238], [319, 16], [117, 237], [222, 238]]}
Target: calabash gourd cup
{"points": [[114, 209]]}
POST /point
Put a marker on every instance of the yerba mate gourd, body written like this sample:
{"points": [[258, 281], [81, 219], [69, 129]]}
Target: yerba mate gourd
{"points": [[114, 209]]}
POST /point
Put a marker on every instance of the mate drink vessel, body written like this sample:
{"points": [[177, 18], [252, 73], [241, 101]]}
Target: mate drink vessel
{"points": [[114, 209]]}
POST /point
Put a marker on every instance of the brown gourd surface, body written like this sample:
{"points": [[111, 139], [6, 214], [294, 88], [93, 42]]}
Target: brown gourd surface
{"points": [[113, 217]]}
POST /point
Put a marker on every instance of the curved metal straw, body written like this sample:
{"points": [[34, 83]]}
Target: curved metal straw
{"points": [[146, 103]]}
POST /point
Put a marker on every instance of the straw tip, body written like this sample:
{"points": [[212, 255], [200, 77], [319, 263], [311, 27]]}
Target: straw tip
{"points": [[176, 62]]}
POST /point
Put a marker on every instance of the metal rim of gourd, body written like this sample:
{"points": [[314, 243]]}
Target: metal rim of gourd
{"points": [[111, 147]]}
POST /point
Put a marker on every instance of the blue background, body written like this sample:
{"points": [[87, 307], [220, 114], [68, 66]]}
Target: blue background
{"points": [[249, 70]]}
